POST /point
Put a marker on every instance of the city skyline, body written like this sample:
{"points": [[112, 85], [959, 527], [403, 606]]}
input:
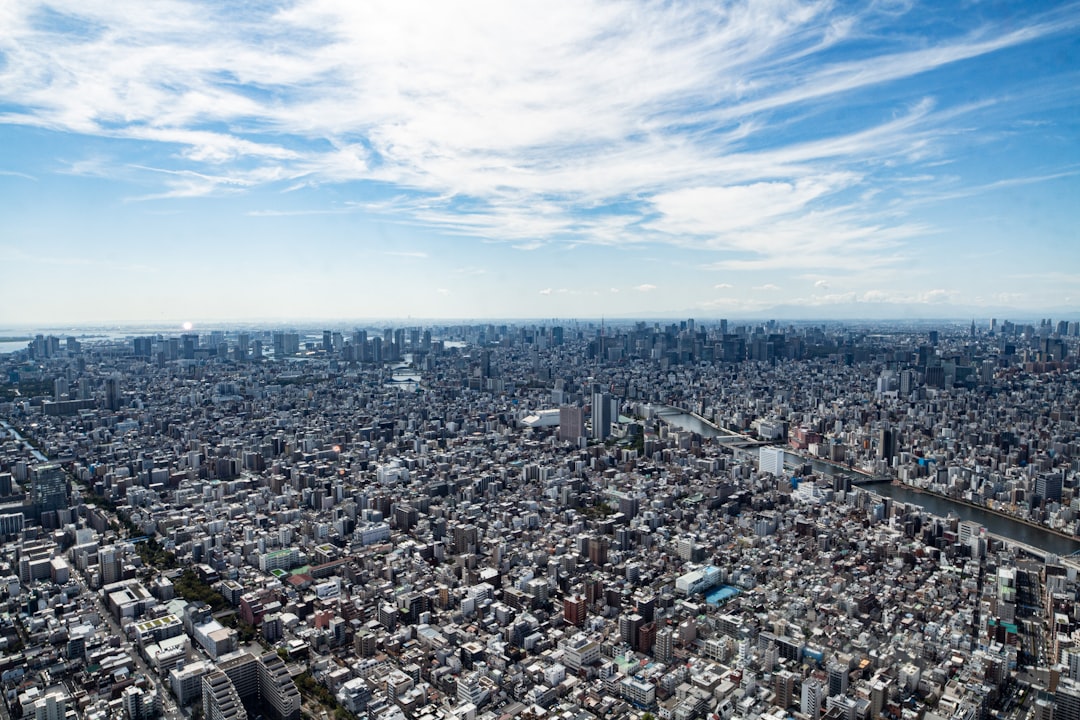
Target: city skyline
{"points": [[302, 160]]}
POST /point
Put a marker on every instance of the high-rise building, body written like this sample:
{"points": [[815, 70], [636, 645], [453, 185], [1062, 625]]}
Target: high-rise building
{"points": [[142, 346], [838, 678], [664, 647], [48, 489], [278, 695], [1067, 700], [571, 423], [886, 444], [784, 688], [771, 460], [598, 550], [52, 706], [812, 693], [601, 416], [629, 627], [574, 610], [1048, 486], [113, 394], [220, 701]]}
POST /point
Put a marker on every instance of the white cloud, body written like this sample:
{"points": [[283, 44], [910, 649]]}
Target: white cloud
{"points": [[768, 287], [13, 173], [646, 287], [723, 286], [524, 122], [545, 291], [824, 284]]}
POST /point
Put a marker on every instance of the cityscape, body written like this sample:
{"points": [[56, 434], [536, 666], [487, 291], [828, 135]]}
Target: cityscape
{"points": [[677, 520], [560, 360]]}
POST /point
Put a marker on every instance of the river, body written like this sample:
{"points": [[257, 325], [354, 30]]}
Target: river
{"points": [[993, 522], [19, 438], [933, 504]]}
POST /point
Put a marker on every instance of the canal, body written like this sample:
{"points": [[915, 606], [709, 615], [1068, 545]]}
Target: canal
{"points": [[933, 504]]}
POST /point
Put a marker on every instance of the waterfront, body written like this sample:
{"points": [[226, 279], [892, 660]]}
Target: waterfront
{"points": [[933, 504], [687, 421], [994, 523], [19, 439]]}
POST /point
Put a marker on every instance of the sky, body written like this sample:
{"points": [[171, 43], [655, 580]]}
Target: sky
{"points": [[175, 161]]}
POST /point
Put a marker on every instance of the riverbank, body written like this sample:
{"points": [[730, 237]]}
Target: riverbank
{"points": [[986, 509]]}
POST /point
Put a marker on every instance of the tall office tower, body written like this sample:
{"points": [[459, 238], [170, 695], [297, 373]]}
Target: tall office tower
{"points": [[143, 346], [243, 343], [279, 344], [376, 350], [48, 489], [886, 449], [60, 389], [907, 382], [571, 423], [189, 344], [113, 395], [601, 416], [598, 550], [388, 345], [327, 341], [1048, 486], [771, 460], [256, 350], [360, 342]]}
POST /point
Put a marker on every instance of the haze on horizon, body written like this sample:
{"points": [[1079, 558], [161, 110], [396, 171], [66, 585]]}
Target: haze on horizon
{"points": [[322, 158]]}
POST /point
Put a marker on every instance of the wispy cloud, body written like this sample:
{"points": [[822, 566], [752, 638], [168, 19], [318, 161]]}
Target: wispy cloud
{"points": [[530, 122], [13, 173]]}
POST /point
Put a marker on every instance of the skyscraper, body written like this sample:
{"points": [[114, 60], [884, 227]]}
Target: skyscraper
{"points": [[571, 423], [601, 416], [113, 394], [48, 489]]}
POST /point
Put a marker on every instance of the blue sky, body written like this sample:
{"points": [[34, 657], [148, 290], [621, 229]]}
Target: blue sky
{"points": [[204, 161]]}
